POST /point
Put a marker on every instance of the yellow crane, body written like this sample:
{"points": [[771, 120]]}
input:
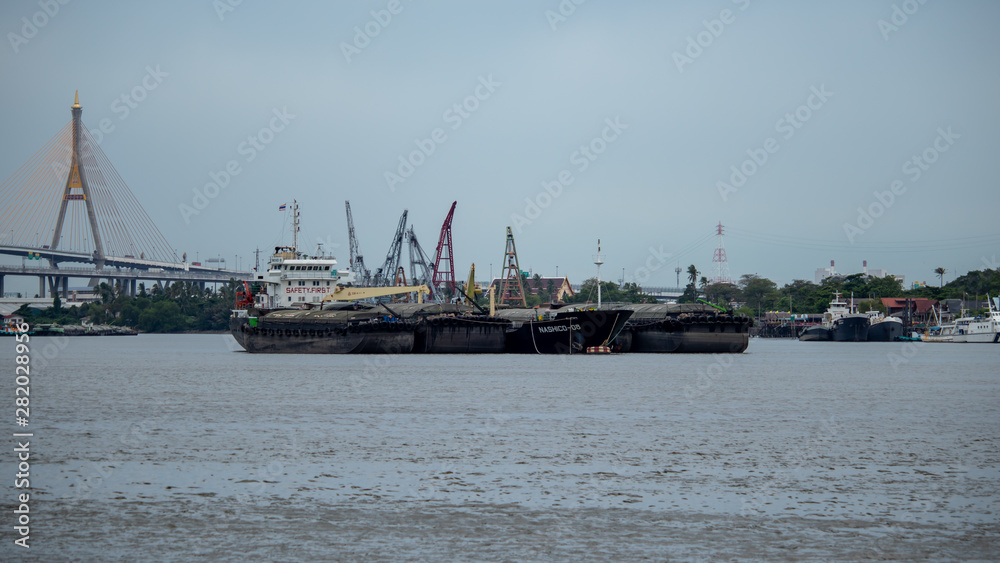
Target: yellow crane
{"points": [[341, 293]]}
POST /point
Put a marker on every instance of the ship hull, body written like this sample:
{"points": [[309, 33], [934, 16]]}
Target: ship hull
{"points": [[373, 336], [557, 336], [599, 327], [815, 334], [697, 334], [885, 331], [362, 339], [568, 332], [983, 337], [850, 329], [458, 335]]}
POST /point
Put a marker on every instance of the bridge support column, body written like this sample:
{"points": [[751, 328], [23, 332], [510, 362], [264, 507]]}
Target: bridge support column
{"points": [[1, 285], [131, 286], [41, 286], [65, 284]]}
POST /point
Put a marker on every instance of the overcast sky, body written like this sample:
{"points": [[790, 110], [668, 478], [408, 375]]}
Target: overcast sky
{"points": [[642, 124]]}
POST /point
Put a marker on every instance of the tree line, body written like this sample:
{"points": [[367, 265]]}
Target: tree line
{"points": [[760, 294], [185, 306], [181, 306]]}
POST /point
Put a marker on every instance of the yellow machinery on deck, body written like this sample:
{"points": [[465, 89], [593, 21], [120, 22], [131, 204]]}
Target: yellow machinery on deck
{"points": [[342, 293]]}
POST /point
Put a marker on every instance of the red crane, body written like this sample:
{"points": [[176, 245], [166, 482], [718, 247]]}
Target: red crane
{"points": [[445, 275]]}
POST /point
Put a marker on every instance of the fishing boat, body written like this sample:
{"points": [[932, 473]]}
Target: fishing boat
{"points": [[942, 332]]}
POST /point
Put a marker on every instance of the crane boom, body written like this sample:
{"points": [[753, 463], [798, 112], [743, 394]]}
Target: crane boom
{"points": [[341, 293], [444, 274], [420, 269], [386, 274], [357, 261]]}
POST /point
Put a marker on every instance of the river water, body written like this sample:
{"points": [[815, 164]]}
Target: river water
{"points": [[182, 447]]}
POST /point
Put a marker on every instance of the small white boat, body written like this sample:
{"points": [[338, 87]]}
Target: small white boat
{"points": [[979, 329]]}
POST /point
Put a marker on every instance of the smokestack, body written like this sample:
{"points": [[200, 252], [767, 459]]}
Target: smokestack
{"points": [[864, 263]]}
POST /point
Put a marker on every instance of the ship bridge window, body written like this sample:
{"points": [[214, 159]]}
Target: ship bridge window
{"points": [[326, 268]]}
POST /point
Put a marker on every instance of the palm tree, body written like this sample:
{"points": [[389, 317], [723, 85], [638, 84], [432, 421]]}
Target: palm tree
{"points": [[693, 274], [703, 282], [940, 272]]}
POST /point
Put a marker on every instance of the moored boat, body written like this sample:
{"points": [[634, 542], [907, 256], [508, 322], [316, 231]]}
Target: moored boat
{"points": [[816, 333], [686, 328], [882, 328], [841, 322], [569, 330], [979, 329]]}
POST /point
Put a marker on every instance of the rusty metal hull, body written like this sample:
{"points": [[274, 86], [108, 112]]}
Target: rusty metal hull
{"points": [[706, 334], [460, 335]]}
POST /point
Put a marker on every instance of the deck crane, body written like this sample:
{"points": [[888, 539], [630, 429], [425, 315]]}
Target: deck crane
{"points": [[420, 264], [385, 275], [362, 275], [444, 258]]}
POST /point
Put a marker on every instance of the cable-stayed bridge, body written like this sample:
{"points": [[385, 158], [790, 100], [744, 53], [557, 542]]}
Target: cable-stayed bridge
{"points": [[68, 204]]}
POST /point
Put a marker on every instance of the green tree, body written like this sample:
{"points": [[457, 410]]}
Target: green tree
{"points": [[940, 272], [163, 316], [760, 293], [722, 293]]}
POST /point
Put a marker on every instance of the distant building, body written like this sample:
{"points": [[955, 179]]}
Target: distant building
{"points": [[826, 273], [920, 308], [9, 322]]}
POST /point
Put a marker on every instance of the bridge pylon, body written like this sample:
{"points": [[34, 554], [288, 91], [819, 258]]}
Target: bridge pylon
{"points": [[77, 180]]}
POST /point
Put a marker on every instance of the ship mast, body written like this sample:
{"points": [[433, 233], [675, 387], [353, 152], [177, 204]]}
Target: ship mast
{"points": [[295, 228], [598, 261]]}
